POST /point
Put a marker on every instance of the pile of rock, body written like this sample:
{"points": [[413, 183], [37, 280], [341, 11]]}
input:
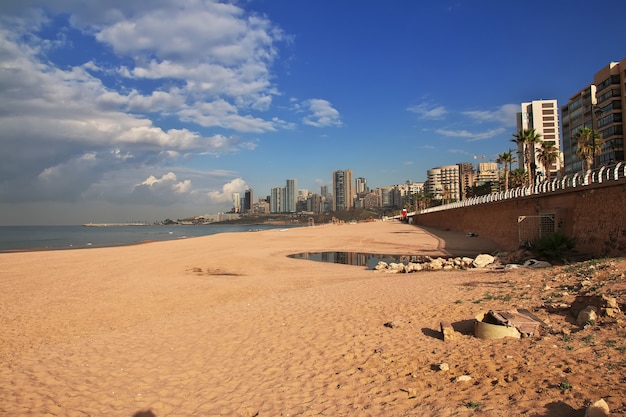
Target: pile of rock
{"points": [[436, 264]]}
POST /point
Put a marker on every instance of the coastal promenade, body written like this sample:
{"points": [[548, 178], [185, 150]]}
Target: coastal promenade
{"points": [[228, 324]]}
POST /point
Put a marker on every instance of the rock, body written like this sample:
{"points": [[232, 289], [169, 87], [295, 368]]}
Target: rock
{"points": [[397, 267], [436, 264], [444, 367], [512, 266], [463, 378], [483, 260], [390, 324], [587, 316], [447, 331], [533, 263], [598, 409], [600, 302], [466, 262], [381, 265], [414, 267]]}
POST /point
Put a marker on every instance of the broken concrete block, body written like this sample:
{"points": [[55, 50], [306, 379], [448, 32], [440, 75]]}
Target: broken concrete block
{"points": [[447, 331]]}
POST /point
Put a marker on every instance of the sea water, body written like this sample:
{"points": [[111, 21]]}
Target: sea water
{"points": [[28, 238]]}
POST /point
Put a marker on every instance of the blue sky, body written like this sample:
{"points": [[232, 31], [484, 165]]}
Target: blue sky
{"points": [[127, 110]]}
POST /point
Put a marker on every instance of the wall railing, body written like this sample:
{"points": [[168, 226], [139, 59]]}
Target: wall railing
{"points": [[580, 179]]}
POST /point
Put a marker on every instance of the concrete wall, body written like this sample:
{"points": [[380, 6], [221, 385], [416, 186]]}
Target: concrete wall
{"points": [[594, 215]]}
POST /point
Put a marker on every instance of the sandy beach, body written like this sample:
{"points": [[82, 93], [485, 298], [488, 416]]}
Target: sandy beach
{"points": [[228, 325]]}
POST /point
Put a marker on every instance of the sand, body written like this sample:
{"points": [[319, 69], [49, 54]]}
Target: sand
{"points": [[228, 325]]}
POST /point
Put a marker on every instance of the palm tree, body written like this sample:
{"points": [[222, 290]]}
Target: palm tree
{"points": [[527, 138], [547, 155], [589, 144], [518, 177], [506, 158]]}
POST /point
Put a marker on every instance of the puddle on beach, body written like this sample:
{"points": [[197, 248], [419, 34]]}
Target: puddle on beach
{"points": [[370, 260]]}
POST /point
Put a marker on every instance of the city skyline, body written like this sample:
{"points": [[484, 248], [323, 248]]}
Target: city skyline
{"points": [[141, 110]]}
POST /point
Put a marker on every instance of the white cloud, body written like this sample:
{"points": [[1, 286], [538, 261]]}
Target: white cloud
{"points": [[471, 136], [322, 113], [237, 185], [504, 115], [87, 131], [223, 114], [428, 111], [166, 189], [167, 181]]}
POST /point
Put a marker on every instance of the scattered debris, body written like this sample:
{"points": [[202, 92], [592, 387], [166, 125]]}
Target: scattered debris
{"points": [[533, 263], [604, 306], [511, 323], [598, 409]]}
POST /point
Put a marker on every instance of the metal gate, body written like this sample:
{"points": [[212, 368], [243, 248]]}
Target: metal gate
{"points": [[533, 228]]}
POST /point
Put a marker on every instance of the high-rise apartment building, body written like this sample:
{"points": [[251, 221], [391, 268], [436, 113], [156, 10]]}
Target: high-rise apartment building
{"points": [[488, 173], [236, 203], [575, 115], [601, 106], [466, 178], [443, 183], [342, 190], [276, 196], [543, 116], [610, 85], [324, 191], [248, 201], [361, 185], [284, 199], [291, 196]]}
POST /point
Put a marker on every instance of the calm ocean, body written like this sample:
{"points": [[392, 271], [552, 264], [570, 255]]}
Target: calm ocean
{"points": [[25, 238]]}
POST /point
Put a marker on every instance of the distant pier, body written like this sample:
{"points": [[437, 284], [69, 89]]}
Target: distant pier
{"points": [[113, 224]]}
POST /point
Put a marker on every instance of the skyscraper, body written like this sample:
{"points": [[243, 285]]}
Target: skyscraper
{"points": [[236, 203], [543, 116], [248, 201], [611, 111], [342, 190], [291, 196], [276, 196], [576, 114], [361, 185], [601, 107]]}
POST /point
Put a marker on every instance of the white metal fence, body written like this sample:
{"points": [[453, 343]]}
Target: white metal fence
{"points": [[598, 176]]}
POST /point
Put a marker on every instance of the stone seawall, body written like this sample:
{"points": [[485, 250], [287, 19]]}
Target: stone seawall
{"points": [[594, 215]]}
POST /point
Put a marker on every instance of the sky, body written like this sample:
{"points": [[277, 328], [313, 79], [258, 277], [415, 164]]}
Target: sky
{"points": [[134, 110]]}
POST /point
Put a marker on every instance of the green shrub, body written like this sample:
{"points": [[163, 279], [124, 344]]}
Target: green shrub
{"points": [[555, 246]]}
